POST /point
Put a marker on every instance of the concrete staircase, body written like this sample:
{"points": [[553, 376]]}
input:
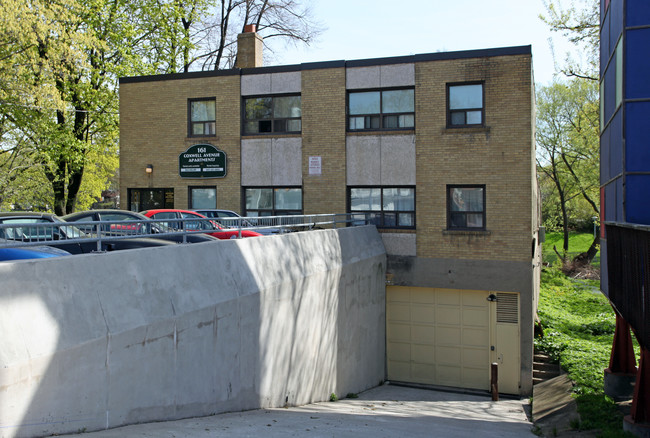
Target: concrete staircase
{"points": [[544, 368]]}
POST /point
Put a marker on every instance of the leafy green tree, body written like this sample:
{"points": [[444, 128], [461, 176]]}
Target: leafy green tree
{"points": [[580, 24], [568, 151], [60, 61], [62, 100]]}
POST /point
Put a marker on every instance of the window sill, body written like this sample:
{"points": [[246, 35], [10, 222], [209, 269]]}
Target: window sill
{"points": [[202, 138], [397, 230], [466, 232], [409, 131], [467, 130], [272, 134]]}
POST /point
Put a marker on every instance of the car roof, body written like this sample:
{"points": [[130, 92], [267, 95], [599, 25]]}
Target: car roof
{"points": [[171, 210], [214, 209], [103, 211], [27, 214]]}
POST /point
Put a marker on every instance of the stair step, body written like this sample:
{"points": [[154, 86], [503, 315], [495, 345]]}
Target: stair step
{"points": [[542, 357], [546, 366], [545, 374]]}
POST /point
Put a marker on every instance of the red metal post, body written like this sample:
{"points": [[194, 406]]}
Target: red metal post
{"points": [[622, 359], [641, 403]]}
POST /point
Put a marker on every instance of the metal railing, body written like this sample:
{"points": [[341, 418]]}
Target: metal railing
{"points": [[43, 233]]}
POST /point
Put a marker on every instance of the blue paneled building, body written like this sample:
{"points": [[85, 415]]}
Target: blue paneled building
{"points": [[625, 195]]}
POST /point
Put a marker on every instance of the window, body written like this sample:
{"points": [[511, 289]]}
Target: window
{"points": [[277, 114], [202, 197], [269, 201], [466, 207], [385, 109], [386, 207], [202, 117], [149, 199], [465, 105]]}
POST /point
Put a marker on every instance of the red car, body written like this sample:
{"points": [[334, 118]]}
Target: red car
{"points": [[211, 228]]}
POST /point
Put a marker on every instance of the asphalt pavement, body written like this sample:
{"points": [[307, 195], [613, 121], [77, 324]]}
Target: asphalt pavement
{"points": [[384, 411]]}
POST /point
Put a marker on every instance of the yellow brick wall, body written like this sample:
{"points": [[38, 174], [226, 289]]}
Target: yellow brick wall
{"points": [[323, 135], [501, 155], [153, 130], [498, 156]]}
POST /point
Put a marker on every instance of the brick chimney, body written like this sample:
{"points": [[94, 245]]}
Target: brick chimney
{"points": [[249, 48]]}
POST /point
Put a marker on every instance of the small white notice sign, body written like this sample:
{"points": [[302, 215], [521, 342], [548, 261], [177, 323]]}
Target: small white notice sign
{"points": [[315, 165]]}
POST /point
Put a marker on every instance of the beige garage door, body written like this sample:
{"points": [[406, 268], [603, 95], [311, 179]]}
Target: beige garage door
{"points": [[449, 337]]}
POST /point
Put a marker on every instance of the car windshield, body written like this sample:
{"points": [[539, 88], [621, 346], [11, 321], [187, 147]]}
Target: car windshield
{"points": [[34, 229], [201, 223]]}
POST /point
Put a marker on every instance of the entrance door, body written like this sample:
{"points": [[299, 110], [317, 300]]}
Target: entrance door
{"points": [[149, 199], [505, 321]]}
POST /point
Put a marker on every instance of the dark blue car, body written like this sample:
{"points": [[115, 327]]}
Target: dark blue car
{"points": [[34, 252]]}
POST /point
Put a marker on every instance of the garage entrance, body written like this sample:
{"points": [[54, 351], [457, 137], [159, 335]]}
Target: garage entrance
{"points": [[450, 337]]}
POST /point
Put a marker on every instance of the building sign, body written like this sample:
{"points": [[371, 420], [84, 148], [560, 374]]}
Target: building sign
{"points": [[202, 161], [315, 166]]}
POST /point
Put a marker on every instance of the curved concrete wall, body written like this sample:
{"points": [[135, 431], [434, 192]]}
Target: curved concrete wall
{"points": [[99, 341]]}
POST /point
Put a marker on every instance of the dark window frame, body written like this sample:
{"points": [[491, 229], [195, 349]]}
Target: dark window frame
{"points": [[381, 115], [273, 210], [381, 214], [450, 224], [191, 123], [466, 110], [272, 119], [165, 191], [189, 196]]}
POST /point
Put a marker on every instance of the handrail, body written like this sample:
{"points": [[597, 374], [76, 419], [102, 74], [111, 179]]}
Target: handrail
{"points": [[43, 233]]}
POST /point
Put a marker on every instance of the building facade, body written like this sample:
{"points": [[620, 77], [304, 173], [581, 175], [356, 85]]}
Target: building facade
{"points": [[625, 197], [437, 148]]}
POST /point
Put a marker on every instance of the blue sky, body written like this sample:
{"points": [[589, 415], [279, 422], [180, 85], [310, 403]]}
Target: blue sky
{"points": [[358, 29]]}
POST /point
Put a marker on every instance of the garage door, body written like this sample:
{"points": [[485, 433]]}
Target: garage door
{"points": [[450, 337]]}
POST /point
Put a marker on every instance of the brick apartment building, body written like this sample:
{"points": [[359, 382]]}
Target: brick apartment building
{"points": [[437, 147]]}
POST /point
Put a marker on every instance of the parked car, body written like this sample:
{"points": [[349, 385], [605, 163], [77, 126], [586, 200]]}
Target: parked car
{"points": [[31, 252], [216, 214], [136, 223], [26, 229], [201, 224]]}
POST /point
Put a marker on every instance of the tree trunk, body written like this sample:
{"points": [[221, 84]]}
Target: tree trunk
{"points": [[588, 257]]}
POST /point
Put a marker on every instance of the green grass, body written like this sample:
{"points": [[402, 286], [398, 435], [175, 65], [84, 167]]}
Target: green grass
{"points": [[578, 327], [578, 243]]}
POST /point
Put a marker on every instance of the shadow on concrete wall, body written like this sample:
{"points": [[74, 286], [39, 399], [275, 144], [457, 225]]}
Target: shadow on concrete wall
{"points": [[100, 341]]}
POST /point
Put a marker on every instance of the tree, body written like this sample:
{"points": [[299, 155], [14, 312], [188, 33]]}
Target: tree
{"points": [[201, 34], [568, 148], [62, 100], [575, 170], [580, 24], [60, 61]]}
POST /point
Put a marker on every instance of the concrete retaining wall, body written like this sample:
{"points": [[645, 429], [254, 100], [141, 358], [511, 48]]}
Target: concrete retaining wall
{"points": [[99, 341]]}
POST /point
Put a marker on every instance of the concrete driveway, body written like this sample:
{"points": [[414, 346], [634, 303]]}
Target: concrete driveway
{"points": [[384, 411]]}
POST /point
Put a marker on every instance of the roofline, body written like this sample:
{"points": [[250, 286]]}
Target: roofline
{"points": [[425, 57]]}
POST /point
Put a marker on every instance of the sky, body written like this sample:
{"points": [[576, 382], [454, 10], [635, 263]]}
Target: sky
{"points": [[359, 29]]}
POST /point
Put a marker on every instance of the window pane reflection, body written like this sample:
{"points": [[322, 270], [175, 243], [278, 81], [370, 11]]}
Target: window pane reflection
{"points": [[466, 96], [364, 103]]}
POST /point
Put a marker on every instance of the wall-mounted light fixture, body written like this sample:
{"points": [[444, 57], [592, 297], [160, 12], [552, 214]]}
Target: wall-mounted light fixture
{"points": [[149, 168]]}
